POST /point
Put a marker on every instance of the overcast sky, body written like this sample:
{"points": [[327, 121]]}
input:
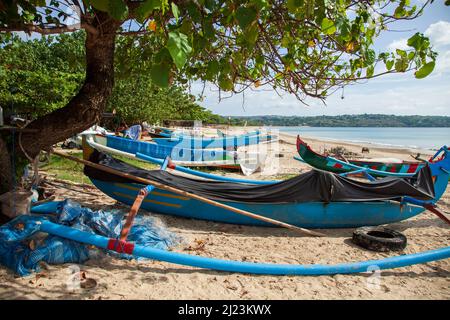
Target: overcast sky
{"points": [[399, 94]]}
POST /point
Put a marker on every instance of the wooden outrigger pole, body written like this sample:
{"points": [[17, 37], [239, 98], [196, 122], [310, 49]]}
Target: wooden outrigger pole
{"points": [[191, 195]]}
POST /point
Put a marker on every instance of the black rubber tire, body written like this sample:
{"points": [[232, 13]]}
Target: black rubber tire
{"points": [[379, 239]]}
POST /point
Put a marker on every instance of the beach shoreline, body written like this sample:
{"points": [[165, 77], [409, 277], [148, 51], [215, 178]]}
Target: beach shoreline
{"points": [[371, 145]]}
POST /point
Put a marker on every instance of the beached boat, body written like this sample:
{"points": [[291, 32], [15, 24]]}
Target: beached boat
{"points": [[248, 163], [224, 142], [376, 168], [316, 199]]}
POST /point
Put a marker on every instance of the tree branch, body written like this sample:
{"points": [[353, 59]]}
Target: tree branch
{"points": [[50, 30]]}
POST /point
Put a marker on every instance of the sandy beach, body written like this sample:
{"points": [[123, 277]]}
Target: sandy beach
{"points": [[121, 279]]}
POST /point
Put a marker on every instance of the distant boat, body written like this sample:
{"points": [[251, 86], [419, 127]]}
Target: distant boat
{"points": [[248, 163], [377, 168], [222, 142]]}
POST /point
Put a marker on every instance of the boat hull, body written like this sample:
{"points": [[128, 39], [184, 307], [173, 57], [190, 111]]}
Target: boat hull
{"points": [[187, 157], [323, 162], [226, 143], [307, 215]]}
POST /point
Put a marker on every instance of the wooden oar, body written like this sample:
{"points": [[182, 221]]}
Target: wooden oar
{"points": [[190, 195]]}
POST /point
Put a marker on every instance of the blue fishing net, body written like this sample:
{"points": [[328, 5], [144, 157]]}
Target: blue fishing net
{"points": [[17, 254]]}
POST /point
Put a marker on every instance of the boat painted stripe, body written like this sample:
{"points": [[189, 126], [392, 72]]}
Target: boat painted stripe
{"points": [[167, 195], [404, 168], [123, 195], [338, 165], [412, 168]]}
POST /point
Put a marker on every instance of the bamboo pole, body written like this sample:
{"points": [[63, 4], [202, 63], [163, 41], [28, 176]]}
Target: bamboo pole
{"points": [[190, 195]]}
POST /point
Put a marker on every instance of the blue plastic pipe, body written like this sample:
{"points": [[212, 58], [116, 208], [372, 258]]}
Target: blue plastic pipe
{"points": [[249, 267], [48, 207], [204, 174]]}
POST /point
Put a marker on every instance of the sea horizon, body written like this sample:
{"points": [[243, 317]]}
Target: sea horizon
{"points": [[422, 138]]}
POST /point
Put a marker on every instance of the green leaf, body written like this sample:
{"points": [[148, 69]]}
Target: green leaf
{"points": [[415, 41], [210, 5], [400, 11], [212, 69], [425, 70], [343, 27], [160, 75], [293, 5], [175, 11], [147, 7], [193, 11], [245, 16], [328, 26], [208, 29], [117, 9], [389, 64], [447, 2], [401, 53], [162, 56], [225, 83], [179, 48], [251, 34], [369, 71], [401, 65], [101, 5]]}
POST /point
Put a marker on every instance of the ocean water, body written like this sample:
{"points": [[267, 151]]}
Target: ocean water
{"points": [[418, 138]]}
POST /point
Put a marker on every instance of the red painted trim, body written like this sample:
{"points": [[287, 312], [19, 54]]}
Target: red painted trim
{"points": [[412, 168], [171, 165], [120, 246], [338, 165]]}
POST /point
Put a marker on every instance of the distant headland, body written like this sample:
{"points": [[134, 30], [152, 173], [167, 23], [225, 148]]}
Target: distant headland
{"points": [[355, 120]]}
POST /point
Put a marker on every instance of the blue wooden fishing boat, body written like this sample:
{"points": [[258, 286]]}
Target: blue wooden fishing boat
{"points": [[225, 142], [247, 163], [375, 168], [307, 201]]}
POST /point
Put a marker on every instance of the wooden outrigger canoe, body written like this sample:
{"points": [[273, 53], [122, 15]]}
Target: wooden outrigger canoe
{"points": [[225, 142], [311, 214], [182, 156], [376, 168]]}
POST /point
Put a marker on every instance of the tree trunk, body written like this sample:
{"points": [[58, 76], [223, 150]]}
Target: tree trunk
{"points": [[85, 109], [82, 111], [6, 174]]}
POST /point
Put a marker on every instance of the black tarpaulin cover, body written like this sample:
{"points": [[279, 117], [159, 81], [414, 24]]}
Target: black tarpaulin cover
{"points": [[315, 185]]}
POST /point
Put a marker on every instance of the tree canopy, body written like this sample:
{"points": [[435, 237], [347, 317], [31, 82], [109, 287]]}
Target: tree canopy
{"points": [[305, 47], [41, 75], [308, 48]]}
